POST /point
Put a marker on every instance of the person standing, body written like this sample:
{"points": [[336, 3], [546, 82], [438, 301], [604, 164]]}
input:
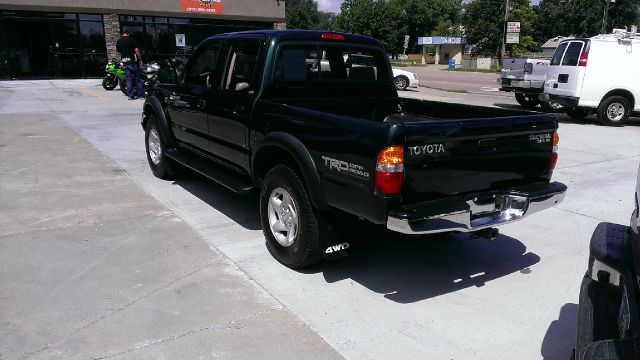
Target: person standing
{"points": [[128, 49]]}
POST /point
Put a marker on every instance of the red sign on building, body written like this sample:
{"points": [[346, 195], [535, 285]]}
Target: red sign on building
{"points": [[201, 6]]}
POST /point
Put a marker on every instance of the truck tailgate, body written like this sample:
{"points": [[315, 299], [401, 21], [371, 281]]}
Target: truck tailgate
{"points": [[472, 156]]}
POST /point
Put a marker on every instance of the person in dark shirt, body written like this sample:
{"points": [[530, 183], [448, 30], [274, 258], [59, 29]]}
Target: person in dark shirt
{"points": [[128, 49]]}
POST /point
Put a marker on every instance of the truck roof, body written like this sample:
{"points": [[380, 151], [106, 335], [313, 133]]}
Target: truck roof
{"points": [[311, 35]]}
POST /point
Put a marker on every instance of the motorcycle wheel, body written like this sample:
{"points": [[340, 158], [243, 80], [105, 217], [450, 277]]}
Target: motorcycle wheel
{"points": [[109, 82], [123, 86]]}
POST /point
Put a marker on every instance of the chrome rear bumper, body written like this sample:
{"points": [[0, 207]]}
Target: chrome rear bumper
{"points": [[475, 214]]}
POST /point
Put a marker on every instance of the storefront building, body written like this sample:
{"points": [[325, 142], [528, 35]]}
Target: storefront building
{"points": [[67, 38]]}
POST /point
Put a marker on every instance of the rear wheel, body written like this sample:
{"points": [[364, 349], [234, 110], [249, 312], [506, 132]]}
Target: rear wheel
{"points": [[527, 100], [401, 81], [289, 222], [156, 149], [577, 113], [614, 111]]}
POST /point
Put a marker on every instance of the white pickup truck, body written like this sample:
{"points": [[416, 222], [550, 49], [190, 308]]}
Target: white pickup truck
{"points": [[525, 77]]}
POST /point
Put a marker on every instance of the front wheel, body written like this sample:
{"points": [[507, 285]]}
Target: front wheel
{"points": [[156, 149], [577, 113], [289, 223], [528, 101], [109, 82], [401, 82], [614, 111]]}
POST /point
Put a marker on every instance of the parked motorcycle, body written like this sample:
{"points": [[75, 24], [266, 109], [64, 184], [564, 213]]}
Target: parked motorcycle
{"points": [[114, 76], [148, 74]]}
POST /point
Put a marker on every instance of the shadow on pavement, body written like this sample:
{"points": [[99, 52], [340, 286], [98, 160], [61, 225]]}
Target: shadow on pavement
{"points": [[243, 209], [560, 339], [408, 269]]}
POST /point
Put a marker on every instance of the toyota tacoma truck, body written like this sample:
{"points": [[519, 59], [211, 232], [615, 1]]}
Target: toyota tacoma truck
{"points": [[284, 113]]}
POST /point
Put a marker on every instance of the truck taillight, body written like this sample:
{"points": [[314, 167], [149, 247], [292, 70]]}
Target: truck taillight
{"points": [[554, 153], [584, 57], [390, 170]]}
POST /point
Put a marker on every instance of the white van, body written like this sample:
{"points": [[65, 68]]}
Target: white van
{"points": [[599, 75]]}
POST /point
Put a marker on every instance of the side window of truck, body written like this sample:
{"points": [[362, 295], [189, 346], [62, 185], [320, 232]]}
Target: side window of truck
{"points": [[201, 71], [241, 65], [557, 55]]}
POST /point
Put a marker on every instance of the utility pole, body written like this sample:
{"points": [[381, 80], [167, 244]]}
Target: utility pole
{"points": [[605, 17], [503, 49]]}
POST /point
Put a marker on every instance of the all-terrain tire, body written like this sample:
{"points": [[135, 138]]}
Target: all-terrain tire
{"points": [[305, 248], [156, 150]]}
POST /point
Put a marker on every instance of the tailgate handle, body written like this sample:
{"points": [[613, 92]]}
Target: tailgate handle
{"points": [[487, 144]]}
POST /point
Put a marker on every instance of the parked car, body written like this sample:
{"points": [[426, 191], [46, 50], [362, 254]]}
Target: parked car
{"points": [[608, 311], [261, 111], [525, 77], [598, 75], [404, 79]]}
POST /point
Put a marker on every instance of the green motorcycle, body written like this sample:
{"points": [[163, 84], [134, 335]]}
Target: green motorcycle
{"points": [[115, 75]]}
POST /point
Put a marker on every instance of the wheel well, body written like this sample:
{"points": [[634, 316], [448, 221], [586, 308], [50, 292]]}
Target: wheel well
{"points": [[270, 156], [148, 111], [402, 76], [621, 92]]}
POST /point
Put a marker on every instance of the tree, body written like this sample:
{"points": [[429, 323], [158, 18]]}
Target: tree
{"points": [[483, 22], [380, 19], [527, 17], [304, 14]]}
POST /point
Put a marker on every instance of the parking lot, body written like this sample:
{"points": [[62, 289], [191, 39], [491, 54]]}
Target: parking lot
{"points": [[100, 259]]}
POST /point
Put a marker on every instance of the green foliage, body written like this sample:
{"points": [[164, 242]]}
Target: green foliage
{"points": [[391, 20], [527, 17], [304, 14], [483, 23], [582, 17]]}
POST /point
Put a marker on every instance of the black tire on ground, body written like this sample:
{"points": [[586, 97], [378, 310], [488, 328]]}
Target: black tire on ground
{"points": [[156, 147], [528, 101], [305, 248], [401, 82], [109, 82], [551, 107], [614, 111], [577, 113], [123, 86]]}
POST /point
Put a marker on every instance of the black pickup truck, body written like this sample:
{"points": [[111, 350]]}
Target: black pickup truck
{"points": [[289, 113]]}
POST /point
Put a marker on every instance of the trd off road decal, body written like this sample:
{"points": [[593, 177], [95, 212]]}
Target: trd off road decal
{"points": [[345, 167], [540, 138], [335, 248]]}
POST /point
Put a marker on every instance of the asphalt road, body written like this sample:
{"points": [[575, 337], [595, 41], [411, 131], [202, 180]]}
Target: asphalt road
{"points": [[436, 297], [438, 77]]}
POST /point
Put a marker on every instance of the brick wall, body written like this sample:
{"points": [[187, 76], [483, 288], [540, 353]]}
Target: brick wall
{"points": [[112, 34]]}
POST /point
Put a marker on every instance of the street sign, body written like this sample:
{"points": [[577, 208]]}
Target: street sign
{"points": [[181, 40], [406, 41], [513, 38], [513, 26]]}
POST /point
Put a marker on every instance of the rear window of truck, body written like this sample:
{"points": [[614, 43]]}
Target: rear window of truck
{"points": [[572, 54], [313, 63], [557, 55]]}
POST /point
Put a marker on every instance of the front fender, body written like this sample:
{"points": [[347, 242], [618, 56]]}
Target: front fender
{"points": [[303, 159], [152, 106]]}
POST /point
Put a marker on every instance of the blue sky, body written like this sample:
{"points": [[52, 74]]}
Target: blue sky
{"points": [[334, 5]]}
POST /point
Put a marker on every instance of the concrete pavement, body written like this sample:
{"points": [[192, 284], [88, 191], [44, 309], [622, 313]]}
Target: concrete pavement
{"points": [[92, 267], [442, 297]]}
